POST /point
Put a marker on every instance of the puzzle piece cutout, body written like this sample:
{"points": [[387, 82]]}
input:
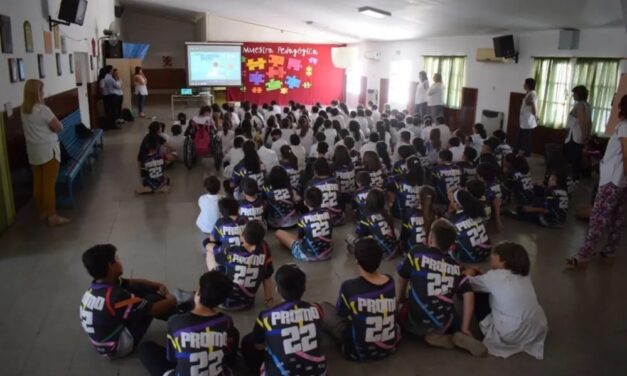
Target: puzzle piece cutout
{"points": [[276, 72], [292, 82], [276, 60], [273, 85], [257, 90], [313, 60], [307, 85], [256, 64], [284, 90], [294, 64], [256, 78], [308, 71]]}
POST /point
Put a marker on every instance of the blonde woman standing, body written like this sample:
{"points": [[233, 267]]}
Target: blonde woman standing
{"points": [[41, 129], [141, 90]]}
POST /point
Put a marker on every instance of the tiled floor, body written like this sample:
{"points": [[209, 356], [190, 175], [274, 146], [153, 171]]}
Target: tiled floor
{"points": [[43, 280]]}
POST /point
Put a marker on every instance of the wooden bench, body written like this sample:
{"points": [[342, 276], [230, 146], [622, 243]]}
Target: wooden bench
{"points": [[81, 150]]}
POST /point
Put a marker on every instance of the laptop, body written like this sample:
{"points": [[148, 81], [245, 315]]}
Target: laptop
{"points": [[186, 91]]}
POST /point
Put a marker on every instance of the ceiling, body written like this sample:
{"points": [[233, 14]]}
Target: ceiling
{"points": [[339, 21]]}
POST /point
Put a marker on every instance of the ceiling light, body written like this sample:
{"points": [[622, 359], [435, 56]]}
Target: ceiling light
{"points": [[374, 12]]}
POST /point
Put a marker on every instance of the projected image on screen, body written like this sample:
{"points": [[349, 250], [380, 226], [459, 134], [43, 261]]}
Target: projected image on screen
{"points": [[214, 65]]}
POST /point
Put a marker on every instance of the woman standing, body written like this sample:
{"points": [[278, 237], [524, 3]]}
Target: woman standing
{"points": [[527, 119], [578, 124], [141, 90], [608, 212], [435, 97], [41, 130], [421, 95]]}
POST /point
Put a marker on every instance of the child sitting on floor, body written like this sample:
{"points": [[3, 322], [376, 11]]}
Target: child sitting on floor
{"points": [[358, 309], [376, 223], [251, 204], [511, 319], [281, 199], [152, 168], [446, 176], [417, 220], [359, 197], [552, 211], [468, 216], [403, 190], [248, 265], [313, 242], [208, 204], [229, 226], [327, 184], [487, 174], [468, 165]]}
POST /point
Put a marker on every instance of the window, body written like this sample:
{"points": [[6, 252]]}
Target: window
{"points": [[353, 82], [400, 75], [555, 79], [453, 71]]}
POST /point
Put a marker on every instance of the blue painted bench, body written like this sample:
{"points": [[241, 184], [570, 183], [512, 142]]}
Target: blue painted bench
{"points": [[81, 150]]}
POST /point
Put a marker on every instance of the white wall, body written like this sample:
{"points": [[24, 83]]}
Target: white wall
{"points": [[98, 17], [165, 36], [494, 81]]}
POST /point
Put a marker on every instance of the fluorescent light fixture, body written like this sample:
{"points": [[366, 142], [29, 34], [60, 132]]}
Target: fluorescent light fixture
{"points": [[374, 12]]}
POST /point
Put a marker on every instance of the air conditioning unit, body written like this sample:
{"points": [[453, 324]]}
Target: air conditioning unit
{"points": [[373, 55], [486, 55]]}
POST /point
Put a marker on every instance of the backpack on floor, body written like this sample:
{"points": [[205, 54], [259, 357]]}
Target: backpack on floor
{"points": [[127, 115]]}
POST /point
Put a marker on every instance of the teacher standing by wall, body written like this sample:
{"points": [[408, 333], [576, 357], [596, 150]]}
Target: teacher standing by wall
{"points": [[141, 90], [421, 107], [41, 129], [435, 97], [527, 120], [578, 124]]}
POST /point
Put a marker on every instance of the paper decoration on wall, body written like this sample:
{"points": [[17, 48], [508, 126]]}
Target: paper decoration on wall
{"points": [[6, 39], [273, 85], [47, 42], [276, 72], [256, 78], [28, 37], [21, 74], [284, 90], [56, 37], [71, 63], [307, 85], [63, 45], [58, 59], [276, 60], [256, 90], [256, 64], [41, 65], [12, 70], [308, 71], [313, 60], [294, 64], [166, 61], [292, 82]]}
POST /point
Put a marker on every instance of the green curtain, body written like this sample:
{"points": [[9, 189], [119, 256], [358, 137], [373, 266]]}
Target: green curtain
{"points": [[553, 77], [600, 77], [453, 71], [7, 206]]}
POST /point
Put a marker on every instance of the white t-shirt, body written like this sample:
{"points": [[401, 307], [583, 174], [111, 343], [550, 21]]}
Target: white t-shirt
{"points": [[176, 144], [517, 322], [141, 89], [421, 92], [331, 135], [277, 145], [307, 140], [425, 133], [458, 153], [435, 95], [368, 146], [445, 133], [42, 144], [611, 169], [209, 212], [575, 132], [268, 157], [301, 155], [227, 140], [527, 119]]}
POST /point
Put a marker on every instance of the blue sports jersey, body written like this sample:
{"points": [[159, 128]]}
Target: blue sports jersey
{"points": [[472, 244], [330, 196], [315, 234], [253, 210], [345, 176], [227, 231], [556, 202], [281, 210], [294, 175], [523, 189], [413, 230], [446, 177], [359, 200], [377, 226], [355, 158], [399, 167], [406, 195], [153, 171], [377, 178], [469, 171], [240, 172]]}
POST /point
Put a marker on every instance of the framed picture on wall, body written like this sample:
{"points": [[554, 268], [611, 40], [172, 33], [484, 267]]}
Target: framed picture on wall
{"points": [[56, 37], [21, 74], [28, 37], [71, 63], [12, 70], [58, 59], [47, 42], [41, 65]]}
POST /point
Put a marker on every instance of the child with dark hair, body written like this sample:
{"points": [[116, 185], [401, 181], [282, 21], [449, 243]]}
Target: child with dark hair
{"points": [[286, 338], [477, 189], [349, 142], [468, 215], [468, 165], [456, 148], [478, 136], [372, 164], [289, 162], [218, 336], [344, 173], [281, 199], [520, 180], [404, 153], [208, 204], [382, 151], [152, 168], [249, 167], [365, 302], [359, 197], [116, 312], [434, 279], [417, 220], [314, 239], [376, 223], [176, 141], [506, 292], [446, 176], [403, 189], [229, 226], [487, 174], [328, 185], [251, 204], [248, 265], [502, 149], [553, 208]]}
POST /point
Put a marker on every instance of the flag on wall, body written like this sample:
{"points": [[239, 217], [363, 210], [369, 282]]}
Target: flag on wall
{"points": [[287, 71]]}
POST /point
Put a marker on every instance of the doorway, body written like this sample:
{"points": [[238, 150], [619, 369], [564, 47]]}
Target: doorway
{"points": [[81, 71]]}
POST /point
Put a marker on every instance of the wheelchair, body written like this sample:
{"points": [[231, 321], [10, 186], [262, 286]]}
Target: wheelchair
{"points": [[202, 141]]}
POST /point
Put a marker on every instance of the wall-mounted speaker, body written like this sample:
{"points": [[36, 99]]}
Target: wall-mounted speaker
{"points": [[569, 39], [119, 10]]}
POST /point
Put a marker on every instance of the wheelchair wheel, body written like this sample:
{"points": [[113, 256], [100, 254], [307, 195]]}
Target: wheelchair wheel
{"points": [[189, 153], [218, 156]]}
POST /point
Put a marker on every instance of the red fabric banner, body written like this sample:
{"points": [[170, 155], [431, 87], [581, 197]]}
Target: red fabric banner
{"points": [[287, 71]]}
